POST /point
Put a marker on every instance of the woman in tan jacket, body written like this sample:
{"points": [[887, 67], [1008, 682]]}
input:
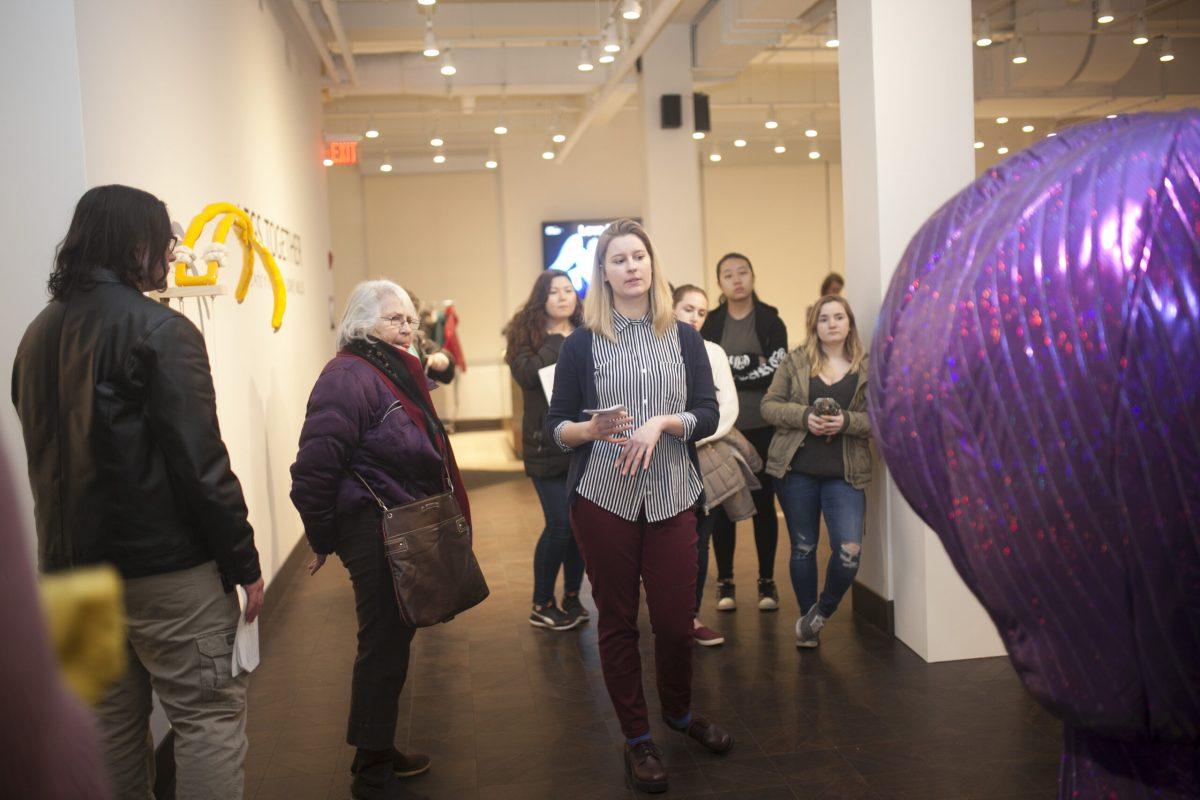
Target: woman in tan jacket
{"points": [[820, 456]]}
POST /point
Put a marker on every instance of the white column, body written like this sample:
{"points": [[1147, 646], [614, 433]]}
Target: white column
{"points": [[672, 209], [907, 100], [43, 179]]}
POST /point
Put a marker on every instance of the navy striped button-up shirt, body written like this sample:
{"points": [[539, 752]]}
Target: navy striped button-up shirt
{"points": [[645, 373]]}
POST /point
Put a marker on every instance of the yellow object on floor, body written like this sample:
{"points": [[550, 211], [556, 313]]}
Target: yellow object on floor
{"points": [[85, 616]]}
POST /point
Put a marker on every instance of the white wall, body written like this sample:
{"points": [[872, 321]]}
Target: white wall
{"points": [[219, 100], [39, 107]]}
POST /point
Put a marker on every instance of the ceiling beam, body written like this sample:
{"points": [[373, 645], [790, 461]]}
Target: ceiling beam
{"points": [[335, 22], [660, 17], [305, 14]]}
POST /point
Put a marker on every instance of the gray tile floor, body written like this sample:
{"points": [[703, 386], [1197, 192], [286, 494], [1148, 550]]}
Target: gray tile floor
{"points": [[509, 711]]}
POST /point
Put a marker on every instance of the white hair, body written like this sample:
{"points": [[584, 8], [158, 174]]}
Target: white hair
{"points": [[362, 309]]}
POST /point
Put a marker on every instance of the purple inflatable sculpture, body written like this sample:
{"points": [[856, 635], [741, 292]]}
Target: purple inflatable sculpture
{"points": [[1036, 394]]}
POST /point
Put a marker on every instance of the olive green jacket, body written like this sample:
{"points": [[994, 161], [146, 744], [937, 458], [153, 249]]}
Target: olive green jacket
{"points": [[786, 407]]}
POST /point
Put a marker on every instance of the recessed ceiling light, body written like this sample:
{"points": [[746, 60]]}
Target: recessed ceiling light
{"points": [[1027, 128], [1002, 150], [1001, 120], [739, 142], [979, 145]]}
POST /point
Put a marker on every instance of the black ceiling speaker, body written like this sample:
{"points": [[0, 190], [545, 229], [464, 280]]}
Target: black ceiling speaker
{"points": [[672, 111], [701, 113]]}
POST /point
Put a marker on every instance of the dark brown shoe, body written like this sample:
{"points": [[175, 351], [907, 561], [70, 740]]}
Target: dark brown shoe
{"points": [[708, 733], [644, 767]]}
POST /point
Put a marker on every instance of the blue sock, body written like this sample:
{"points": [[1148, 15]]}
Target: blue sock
{"points": [[681, 723], [645, 737]]}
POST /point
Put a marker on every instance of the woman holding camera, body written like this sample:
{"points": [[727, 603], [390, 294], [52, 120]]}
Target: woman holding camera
{"points": [[820, 456]]}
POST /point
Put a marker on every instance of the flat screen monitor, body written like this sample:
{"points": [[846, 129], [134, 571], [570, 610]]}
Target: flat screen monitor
{"points": [[570, 245]]}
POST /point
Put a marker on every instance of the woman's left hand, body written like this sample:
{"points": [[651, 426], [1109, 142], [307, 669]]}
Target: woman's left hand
{"points": [[639, 447], [832, 425], [317, 562]]}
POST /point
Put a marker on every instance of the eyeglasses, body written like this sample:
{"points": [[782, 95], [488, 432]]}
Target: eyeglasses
{"points": [[400, 321]]}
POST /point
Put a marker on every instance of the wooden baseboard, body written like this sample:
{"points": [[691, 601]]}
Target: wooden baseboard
{"points": [[871, 607]]}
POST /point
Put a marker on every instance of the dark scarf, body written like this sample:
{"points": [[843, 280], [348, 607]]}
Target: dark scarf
{"points": [[404, 372]]}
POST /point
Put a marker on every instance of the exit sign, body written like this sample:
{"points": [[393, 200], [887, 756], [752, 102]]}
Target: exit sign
{"points": [[342, 152]]}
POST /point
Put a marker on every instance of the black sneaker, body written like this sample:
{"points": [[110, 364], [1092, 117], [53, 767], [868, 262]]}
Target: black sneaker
{"points": [[409, 766], [552, 618], [572, 607], [725, 593], [768, 595]]}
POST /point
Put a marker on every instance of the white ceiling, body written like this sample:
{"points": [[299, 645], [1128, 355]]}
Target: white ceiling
{"points": [[521, 57]]}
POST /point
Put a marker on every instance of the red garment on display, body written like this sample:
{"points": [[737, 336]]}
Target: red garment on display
{"points": [[452, 343]]}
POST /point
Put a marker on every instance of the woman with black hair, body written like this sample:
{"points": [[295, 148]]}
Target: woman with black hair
{"points": [[535, 335], [755, 338]]}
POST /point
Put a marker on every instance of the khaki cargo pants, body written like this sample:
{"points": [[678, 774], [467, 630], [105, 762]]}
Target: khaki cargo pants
{"points": [[180, 645]]}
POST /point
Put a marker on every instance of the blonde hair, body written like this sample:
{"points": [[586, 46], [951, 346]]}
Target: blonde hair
{"points": [[855, 352], [598, 306]]}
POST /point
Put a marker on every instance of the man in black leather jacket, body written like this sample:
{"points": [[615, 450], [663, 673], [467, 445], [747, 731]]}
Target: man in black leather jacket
{"points": [[128, 467]]}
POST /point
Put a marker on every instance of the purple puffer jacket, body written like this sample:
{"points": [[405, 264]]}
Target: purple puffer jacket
{"points": [[354, 423]]}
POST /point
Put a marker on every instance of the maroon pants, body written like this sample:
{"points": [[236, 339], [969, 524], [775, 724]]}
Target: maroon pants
{"points": [[620, 555]]}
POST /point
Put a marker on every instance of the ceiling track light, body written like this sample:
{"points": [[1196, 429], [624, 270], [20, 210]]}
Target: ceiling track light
{"points": [[1104, 12], [491, 162], [448, 67], [612, 42], [436, 141], [1141, 35], [439, 157], [548, 154], [1166, 53], [585, 58], [739, 142], [430, 48], [327, 161], [1001, 120], [631, 10], [1019, 56], [772, 121], [606, 58], [979, 145], [427, 2], [780, 147], [983, 35], [1002, 150], [558, 138], [371, 132], [699, 135], [814, 154], [501, 129], [831, 32], [714, 155], [810, 133], [386, 166], [1027, 129]]}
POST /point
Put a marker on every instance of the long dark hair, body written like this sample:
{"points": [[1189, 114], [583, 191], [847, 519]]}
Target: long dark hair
{"points": [[116, 228], [527, 328], [722, 260]]}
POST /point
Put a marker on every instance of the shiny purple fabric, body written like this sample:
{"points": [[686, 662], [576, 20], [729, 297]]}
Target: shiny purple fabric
{"points": [[1036, 394]]}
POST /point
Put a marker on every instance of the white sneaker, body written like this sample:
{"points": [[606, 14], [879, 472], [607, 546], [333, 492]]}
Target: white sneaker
{"points": [[808, 629], [725, 599]]}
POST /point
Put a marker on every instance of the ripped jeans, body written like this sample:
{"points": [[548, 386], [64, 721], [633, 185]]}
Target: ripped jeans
{"points": [[804, 499]]}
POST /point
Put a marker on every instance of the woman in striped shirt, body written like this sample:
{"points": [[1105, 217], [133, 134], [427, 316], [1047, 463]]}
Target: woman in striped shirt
{"points": [[633, 391]]}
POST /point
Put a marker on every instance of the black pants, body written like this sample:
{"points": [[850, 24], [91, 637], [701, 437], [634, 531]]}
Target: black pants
{"points": [[766, 524], [383, 643], [704, 528]]}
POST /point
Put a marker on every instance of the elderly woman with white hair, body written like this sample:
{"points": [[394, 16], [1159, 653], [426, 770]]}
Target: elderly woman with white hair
{"points": [[371, 431]]}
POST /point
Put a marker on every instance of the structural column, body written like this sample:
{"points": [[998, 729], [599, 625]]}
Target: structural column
{"points": [[672, 208], [907, 120]]}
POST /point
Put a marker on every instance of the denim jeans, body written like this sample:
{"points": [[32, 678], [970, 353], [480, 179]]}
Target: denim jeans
{"points": [[556, 547], [804, 499]]}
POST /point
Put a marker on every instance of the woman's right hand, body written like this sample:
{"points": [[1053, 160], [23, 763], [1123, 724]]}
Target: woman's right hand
{"points": [[608, 427], [317, 562], [818, 425]]}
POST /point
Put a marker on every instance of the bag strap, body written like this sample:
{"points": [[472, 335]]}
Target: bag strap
{"points": [[382, 505]]}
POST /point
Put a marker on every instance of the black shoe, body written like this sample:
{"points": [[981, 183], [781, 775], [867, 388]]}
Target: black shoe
{"points": [[551, 618], [409, 766], [725, 596], [768, 595], [572, 607], [373, 776]]}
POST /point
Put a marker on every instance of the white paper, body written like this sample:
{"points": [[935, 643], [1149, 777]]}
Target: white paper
{"points": [[547, 376], [617, 409], [245, 644]]}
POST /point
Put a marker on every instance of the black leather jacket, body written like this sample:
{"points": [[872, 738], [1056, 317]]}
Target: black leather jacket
{"points": [[543, 458], [125, 457]]}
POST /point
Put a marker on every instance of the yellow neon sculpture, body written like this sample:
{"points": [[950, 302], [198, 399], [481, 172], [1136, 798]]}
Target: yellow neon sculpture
{"points": [[238, 219]]}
